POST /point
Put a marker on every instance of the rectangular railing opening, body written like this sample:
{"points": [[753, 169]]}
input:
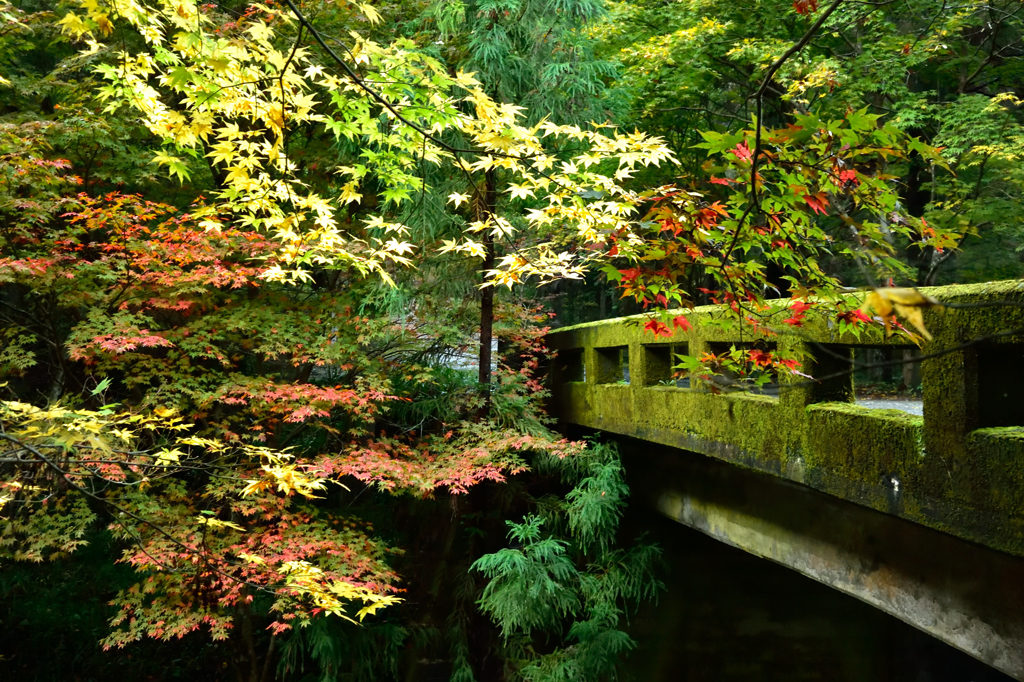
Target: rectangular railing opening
{"points": [[569, 366], [1000, 384], [876, 377], [659, 360], [613, 365], [831, 366], [749, 378], [888, 378]]}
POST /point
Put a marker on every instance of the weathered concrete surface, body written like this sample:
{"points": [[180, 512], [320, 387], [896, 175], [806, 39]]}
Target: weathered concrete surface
{"points": [[730, 616], [966, 595]]}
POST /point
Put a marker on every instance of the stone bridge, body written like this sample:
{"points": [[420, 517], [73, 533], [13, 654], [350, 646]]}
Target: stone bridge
{"points": [[920, 515]]}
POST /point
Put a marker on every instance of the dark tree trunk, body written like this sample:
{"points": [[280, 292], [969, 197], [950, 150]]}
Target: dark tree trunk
{"points": [[485, 206], [487, 318], [250, 665]]}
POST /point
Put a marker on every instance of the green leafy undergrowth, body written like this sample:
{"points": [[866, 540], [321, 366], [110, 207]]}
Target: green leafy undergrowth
{"points": [[561, 589]]}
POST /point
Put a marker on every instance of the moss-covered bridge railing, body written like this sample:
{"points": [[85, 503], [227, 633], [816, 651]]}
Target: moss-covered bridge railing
{"points": [[946, 551], [958, 468]]}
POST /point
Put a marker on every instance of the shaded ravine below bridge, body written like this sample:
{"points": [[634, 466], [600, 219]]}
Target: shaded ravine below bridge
{"points": [[734, 615], [918, 516]]}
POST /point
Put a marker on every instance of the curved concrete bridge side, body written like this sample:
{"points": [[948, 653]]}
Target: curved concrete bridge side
{"points": [[829, 484]]}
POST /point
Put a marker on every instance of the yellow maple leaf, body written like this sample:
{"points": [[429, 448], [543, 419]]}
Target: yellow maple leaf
{"points": [[371, 13], [908, 303], [466, 79], [74, 25], [211, 522], [167, 457]]}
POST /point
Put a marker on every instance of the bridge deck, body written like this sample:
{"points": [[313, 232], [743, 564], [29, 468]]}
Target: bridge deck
{"points": [[956, 467]]}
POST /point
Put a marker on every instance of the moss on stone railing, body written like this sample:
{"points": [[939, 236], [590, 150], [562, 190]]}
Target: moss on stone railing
{"points": [[958, 469]]}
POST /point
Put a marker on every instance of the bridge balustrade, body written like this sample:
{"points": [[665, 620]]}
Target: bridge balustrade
{"points": [[957, 467]]}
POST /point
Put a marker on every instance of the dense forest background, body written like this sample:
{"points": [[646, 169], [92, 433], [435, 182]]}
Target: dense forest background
{"points": [[391, 461], [947, 73]]}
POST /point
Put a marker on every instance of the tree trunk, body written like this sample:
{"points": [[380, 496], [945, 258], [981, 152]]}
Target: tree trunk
{"points": [[487, 318], [485, 206], [248, 666]]}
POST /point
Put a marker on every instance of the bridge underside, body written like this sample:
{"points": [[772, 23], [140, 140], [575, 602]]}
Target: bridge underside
{"points": [[964, 594]]}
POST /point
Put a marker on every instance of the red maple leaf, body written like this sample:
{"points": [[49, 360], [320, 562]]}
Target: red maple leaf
{"points": [[798, 311], [817, 202], [658, 327], [680, 322], [789, 364], [742, 151], [630, 274], [853, 317]]}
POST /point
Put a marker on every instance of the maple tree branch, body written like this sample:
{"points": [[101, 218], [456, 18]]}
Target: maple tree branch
{"points": [[67, 479], [766, 81], [377, 97], [855, 366], [754, 205], [138, 540], [916, 359]]}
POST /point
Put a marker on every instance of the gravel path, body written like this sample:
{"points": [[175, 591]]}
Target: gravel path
{"points": [[908, 406]]}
